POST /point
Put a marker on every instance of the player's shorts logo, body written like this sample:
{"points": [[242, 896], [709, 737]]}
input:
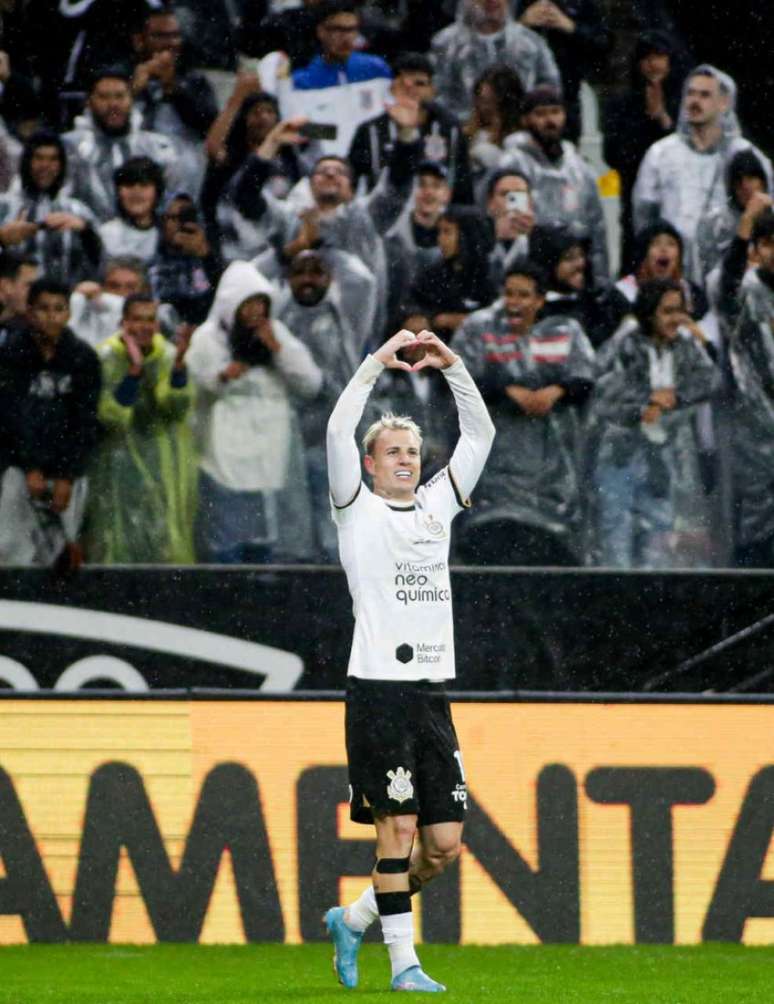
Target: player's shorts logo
{"points": [[400, 788]]}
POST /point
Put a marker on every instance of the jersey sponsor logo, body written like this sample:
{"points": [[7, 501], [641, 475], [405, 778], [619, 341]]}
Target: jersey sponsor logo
{"points": [[430, 653], [404, 653], [400, 788], [413, 583]]}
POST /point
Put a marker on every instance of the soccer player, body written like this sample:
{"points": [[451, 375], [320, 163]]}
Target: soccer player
{"points": [[405, 767]]}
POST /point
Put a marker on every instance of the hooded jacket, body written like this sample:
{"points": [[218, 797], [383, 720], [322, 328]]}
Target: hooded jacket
{"points": [[563, 191], [327, 333], [248, 429], [751, 354], [695, 298], [93, 156], [461, 55], [352, 295], [143, 474], [716, 230], [668, 450], [679, 183], [66, 255], [531, 475], [598, 308]]}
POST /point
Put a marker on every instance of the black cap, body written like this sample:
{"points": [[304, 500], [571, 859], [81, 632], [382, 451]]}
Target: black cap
{"points": [[433, 167]]}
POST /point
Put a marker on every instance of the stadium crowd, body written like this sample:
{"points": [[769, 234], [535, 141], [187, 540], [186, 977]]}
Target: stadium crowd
{"points": [[209, 214]]}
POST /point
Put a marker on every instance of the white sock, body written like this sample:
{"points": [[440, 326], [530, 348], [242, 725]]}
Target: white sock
{"points": [[398, 932], [363, 912]]}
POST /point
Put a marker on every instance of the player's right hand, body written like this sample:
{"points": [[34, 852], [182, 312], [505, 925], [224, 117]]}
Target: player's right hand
{"points": [[388, 353]]}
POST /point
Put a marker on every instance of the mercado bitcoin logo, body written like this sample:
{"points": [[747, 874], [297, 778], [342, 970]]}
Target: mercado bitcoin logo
{"points": [[141, 821]]}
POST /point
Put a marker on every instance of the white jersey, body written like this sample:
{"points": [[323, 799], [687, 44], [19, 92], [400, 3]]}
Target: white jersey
{"points": [[397, 556], [397, 564]]}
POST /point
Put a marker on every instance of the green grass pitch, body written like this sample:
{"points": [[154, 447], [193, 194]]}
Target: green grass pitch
{"points": [[276, 974]]}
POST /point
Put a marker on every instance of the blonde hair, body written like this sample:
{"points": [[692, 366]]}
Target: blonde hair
{"points": [[391, 422]]}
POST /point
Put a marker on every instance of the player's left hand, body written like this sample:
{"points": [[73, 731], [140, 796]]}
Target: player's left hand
{"points": [[437, 353], [388, 353]]}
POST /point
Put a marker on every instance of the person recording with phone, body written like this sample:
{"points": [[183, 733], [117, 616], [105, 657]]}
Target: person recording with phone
{"points": [[186, 268], [509, 207], [335, 217]]}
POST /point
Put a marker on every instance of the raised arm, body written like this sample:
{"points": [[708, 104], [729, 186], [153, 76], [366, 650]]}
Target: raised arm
{"points": [[343, 455], [477, 430]]}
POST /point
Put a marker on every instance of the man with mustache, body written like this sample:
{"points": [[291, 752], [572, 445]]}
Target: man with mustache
{"points": [[682, 177]]}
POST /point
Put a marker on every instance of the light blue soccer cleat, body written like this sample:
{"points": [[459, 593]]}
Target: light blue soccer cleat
{"points": [[416, 979], [346, 943]]}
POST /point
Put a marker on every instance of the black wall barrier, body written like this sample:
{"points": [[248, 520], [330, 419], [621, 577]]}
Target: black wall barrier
{"points": [[289, 628]]}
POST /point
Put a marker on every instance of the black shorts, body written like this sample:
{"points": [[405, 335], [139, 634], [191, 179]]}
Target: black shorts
{"points": [[402, 751]]}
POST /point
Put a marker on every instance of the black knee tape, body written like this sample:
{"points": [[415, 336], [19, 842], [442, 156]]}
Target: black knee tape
{"points": [[392, 866], [389, 904]]}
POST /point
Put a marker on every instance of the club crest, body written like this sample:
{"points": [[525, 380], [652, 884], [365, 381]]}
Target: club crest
{"points": [[400, 788]]}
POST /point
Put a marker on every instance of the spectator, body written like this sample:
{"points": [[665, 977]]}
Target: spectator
{"points": [[658, 254], [339, 87], [443, 141], [752, 356], [510, 210], [249, 369], [106, 135], [69, 42], [335, 219], [651, 508], [534, 376], [246, 120], [496, 115], [572, 290], [173, 100], [20, 107], [412, 243], [745, 177], [38, 219], [563, 186], [134, 231], [50, 387], [186, 269], [738, 268], [486, 34], [448, 290], [17, 274], [95, 308], [682, 176], [354, 288], [317, 303], [580, 41], [142, 499], [292, 31], [638, 118]]}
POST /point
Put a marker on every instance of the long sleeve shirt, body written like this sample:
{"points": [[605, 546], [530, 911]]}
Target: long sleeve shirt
{"points": [[396, 556]]}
